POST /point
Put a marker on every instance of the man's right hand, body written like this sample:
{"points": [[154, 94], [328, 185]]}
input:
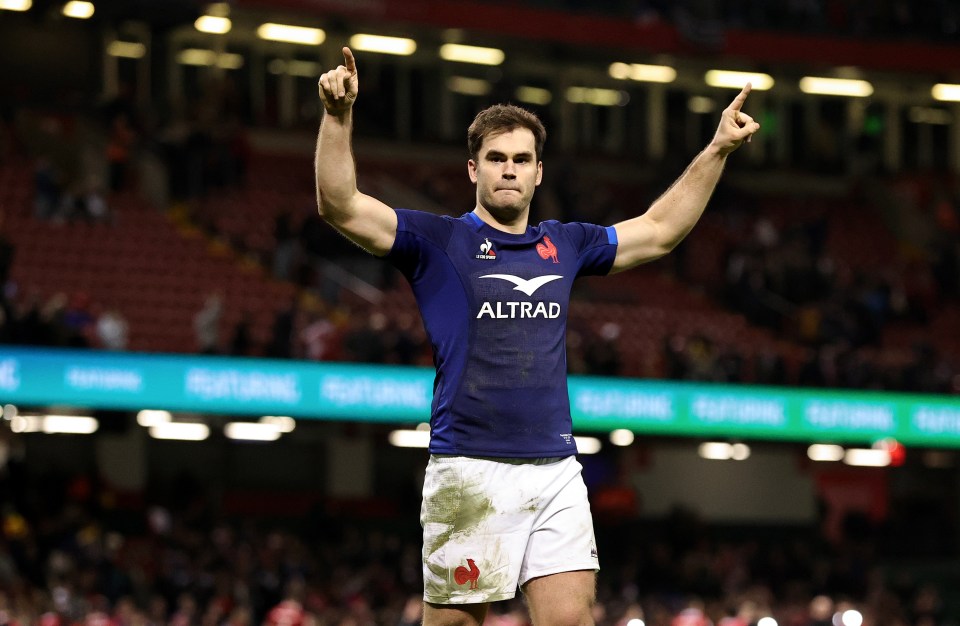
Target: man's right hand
{"points": [[339, 87]]}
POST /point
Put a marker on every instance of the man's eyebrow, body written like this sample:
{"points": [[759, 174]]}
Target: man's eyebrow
{"points": [[498, 153]]}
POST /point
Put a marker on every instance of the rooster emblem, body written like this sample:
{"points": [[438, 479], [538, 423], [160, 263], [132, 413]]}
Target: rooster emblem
{"points": [[463, 575], [487, 248], [547, 250]]}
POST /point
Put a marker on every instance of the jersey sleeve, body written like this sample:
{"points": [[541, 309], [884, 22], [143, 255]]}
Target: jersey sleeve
{"points": [[596, 247], [417, 232]]}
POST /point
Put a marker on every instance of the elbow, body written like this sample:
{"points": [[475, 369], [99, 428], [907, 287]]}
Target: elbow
{"points": [[332, 208], [325, 209], [667, 239], [666, 247]]}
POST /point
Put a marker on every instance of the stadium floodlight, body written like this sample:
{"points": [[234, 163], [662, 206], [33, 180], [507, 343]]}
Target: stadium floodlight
{"points": [[851, 617], [180, 431], [715, 451], [642, 73], [381, 44], [469, 86], [597, 96], [282, 423], [295, 67], [866, 457], [471, 54], [929, 115], [292, 34], [588, 445], [825, 452], [407, 438], [251, 431], [196, 56], [701, 104], [533, 95], [79, 10], [15, 5], [213, 24], [150, 417], [229, 61], [21, 423], [730, 79], [850, 87], [126, 49], [722, 451], [739, 452], [622, 437], [69, 424], [945, 92]]}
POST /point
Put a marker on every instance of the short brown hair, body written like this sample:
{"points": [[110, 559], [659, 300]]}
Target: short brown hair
{"points": [[502, 118]]}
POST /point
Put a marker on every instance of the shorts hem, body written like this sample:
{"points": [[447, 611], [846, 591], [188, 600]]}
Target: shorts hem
{"points": [[560, 569], [495, 597]]}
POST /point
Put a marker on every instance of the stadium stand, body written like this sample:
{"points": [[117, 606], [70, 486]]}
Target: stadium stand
{"points": [[847, 281]]}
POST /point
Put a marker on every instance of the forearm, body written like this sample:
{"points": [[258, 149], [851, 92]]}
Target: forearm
{"points": [[336, 174], [675, 213]]}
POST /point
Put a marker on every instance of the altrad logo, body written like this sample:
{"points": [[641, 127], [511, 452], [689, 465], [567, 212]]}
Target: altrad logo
{"points": [[521, 310]]}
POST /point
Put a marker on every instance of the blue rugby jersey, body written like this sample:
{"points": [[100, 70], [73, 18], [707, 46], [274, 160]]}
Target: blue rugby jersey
{"points": [[495, 306]]}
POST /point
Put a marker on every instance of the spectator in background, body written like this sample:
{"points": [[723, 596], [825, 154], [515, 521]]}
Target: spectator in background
{"points": [[112, 330], [602, 355], [7, 253], [46, 189], [281, 334], [241, 343], [286, 246], [119, 150], [78, 320], [206, 324], [92, 203], [364, 341], [317, 338]]}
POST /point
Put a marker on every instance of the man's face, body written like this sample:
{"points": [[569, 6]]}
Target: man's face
{"points": [[506, 173]]}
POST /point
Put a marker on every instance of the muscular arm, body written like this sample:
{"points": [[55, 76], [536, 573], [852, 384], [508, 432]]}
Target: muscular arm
{"points": [[363, 219], [673, 214]]}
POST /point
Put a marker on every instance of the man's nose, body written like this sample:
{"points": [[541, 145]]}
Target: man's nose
{"points": [[509, 170]]}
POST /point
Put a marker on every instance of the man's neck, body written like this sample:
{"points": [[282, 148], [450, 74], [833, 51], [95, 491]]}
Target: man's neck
{"points": [[517, 226]]}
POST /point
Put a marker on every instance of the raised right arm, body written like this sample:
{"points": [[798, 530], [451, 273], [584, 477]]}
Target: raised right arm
{"points": [[363, 219]]}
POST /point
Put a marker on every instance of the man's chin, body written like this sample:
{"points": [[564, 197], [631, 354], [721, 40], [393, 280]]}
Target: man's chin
{"points": [[506, 212]]}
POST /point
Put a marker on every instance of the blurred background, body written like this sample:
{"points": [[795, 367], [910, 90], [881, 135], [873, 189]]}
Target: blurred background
{"points": [[156, 196]]}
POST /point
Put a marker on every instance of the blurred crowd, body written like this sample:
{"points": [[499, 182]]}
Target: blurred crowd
{"points": [[775, 271], [78, 553]]}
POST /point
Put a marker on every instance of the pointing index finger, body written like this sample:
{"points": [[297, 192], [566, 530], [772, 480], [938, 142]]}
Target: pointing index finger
{"points": [[348, 61], [737, 103]]}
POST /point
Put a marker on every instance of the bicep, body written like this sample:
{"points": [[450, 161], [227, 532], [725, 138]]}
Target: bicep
{"points": [[638, 241], [367, 222]]}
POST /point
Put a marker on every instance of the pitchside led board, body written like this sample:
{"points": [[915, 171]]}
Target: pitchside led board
{"points": [[389, 394]]}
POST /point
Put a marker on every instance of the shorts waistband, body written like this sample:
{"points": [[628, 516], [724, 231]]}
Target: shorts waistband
{"points": [[500, 459]]}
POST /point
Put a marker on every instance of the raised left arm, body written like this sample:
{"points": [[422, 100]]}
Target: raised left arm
{"points": [[673, 214]]}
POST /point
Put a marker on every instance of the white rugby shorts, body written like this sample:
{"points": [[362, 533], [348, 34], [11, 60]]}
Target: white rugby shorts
{"points": [[490, 525]]}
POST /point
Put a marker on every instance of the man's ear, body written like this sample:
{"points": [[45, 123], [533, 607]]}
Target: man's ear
{"points": [[539, 172], [472, 171]]}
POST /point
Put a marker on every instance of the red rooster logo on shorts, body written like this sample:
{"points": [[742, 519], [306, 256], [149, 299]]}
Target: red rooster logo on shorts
{"points": [[547, 250], [463, 575]]}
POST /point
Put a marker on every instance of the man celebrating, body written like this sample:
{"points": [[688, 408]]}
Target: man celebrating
{"points": [[504, 504]]}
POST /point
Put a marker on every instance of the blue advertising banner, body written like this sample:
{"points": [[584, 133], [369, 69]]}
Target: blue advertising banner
{"points": [[393, 394]]}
